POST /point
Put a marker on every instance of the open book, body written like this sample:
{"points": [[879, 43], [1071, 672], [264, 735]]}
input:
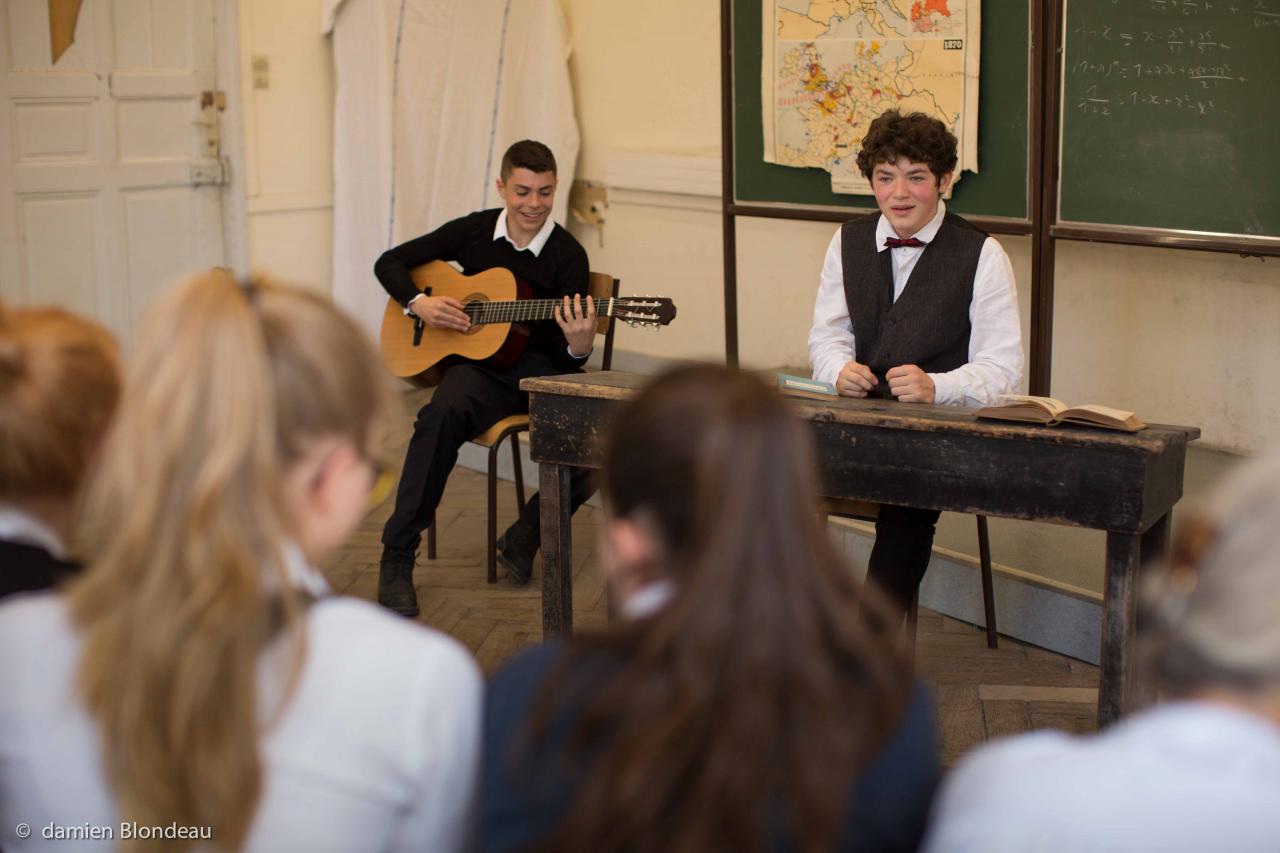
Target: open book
{"points": [[1046, 410]]}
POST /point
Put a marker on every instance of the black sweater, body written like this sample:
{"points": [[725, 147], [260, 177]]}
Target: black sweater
{"points": [[560, 269], [530, 785], [26, 568]]}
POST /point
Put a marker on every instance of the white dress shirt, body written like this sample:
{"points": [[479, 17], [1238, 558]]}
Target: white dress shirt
{"points": [[1187, 776], [376, 751], [996, 361]]}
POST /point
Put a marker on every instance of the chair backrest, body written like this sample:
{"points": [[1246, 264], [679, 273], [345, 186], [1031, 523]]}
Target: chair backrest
{"points": [[604, 286]]}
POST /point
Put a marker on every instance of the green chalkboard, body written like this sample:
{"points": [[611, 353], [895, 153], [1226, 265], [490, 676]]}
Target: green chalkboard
{"points": [[1170, 115], [1000, 187]]}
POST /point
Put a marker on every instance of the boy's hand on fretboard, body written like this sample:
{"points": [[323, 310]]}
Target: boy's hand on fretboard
{"points": [[577, 319]]}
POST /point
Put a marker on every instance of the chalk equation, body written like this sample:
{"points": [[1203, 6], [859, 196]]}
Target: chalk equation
{"points": [[1258, 13], [1196, 57]]}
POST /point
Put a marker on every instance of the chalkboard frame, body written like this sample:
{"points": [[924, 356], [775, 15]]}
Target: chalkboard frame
{"points": [[1055, 228], [1022, 226]]}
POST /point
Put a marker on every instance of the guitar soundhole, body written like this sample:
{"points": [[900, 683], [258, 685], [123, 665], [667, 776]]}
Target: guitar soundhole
{"points": [[467, 300]]}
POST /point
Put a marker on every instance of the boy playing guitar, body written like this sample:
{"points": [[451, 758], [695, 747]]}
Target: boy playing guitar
{"points": [[471, 397]]}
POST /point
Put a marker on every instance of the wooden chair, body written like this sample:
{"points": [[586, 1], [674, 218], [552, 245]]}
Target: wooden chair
{"points": [[600, 286], [868, 511]]}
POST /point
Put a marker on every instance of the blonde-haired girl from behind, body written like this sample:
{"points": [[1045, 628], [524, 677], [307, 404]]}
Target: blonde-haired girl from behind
{"points": [[201, 678]]}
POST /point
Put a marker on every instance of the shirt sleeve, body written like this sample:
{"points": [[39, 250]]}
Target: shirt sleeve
{"points": [[996, 361], [443, 244], [1000, 799], [831, 343]]}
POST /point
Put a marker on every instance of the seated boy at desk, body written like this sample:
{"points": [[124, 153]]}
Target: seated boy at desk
{"points": [[914, 304]]}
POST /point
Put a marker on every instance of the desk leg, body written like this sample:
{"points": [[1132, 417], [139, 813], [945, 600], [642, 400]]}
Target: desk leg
{"points": [[1119, 690], [557, 559], [1155, 546], [1118, 622]]}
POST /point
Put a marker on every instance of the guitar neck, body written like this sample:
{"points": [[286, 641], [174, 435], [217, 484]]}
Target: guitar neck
{"points": [[525, 310]]}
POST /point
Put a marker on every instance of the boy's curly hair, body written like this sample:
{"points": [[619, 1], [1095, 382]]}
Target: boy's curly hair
{"points": [[918, 137]]}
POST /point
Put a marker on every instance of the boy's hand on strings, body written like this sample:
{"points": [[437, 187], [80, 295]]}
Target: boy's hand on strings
{"points": [[441, 312]]}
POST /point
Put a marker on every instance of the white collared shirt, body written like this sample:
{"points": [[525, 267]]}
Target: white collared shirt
{"points": [[996, 361], [1186, 776], [300, 573], [377, 749], [17, 525], [648, 599], [535, 245]]}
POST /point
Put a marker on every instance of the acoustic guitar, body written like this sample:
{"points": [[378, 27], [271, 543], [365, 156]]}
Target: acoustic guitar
{"points": [[501, 309]]}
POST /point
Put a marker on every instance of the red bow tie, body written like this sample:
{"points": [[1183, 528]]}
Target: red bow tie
{"points": [[895, 242]]}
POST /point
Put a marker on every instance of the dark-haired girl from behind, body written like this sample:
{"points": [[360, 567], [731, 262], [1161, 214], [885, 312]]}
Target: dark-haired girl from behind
{"points": [[748, 697]]}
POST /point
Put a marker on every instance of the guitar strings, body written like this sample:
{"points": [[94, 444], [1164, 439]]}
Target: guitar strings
{"points": [[528, 310]]}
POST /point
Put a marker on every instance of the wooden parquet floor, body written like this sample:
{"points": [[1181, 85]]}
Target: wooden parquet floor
{"points": [[981, 693]]}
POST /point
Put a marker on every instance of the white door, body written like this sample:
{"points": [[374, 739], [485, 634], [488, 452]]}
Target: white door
{"points": [[109, 158]]}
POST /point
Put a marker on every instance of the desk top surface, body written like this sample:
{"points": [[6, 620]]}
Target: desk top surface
{"points": [[616, 385]]}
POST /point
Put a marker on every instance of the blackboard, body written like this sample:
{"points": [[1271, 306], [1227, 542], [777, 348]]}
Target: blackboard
{"points": [[1000, 187], [1170, 114]]}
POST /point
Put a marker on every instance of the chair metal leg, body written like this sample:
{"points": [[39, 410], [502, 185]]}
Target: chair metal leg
{"points": [[431, 539], [988, 590], [519, 471], [491, 543]]}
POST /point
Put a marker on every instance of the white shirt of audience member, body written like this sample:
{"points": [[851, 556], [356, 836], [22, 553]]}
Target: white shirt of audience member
{"points": [[377, 750]]}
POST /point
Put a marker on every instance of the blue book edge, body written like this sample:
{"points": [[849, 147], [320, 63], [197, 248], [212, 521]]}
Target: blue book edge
{"points": [[787, 382]]}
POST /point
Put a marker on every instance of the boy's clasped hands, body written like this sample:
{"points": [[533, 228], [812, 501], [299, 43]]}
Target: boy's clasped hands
{"points": [[907, 382]]}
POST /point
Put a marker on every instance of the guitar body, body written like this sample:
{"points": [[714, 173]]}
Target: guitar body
{"points": [[422, 358]]}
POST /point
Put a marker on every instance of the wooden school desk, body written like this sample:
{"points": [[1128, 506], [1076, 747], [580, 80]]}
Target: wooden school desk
{"points": [[915, 455]]}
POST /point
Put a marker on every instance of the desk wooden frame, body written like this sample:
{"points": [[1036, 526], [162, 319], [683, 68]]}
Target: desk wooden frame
{"points": [[914, 455]]}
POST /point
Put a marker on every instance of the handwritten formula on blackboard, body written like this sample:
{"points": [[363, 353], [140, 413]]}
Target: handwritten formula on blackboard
{"points": [[1169, 111]]}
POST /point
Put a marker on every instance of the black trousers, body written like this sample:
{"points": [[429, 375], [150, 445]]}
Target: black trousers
{"points": [[900, 557], [469, 399]]}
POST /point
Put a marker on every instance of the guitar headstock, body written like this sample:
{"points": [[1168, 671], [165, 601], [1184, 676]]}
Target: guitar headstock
{"points": [[644, 310]]}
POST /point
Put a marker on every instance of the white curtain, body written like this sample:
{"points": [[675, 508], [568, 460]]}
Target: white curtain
{"points": [[429, 95]]}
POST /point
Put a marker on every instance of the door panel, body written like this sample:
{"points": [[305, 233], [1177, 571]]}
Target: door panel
{"points": [[55, 131], [54, 224], [111, 157]]}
